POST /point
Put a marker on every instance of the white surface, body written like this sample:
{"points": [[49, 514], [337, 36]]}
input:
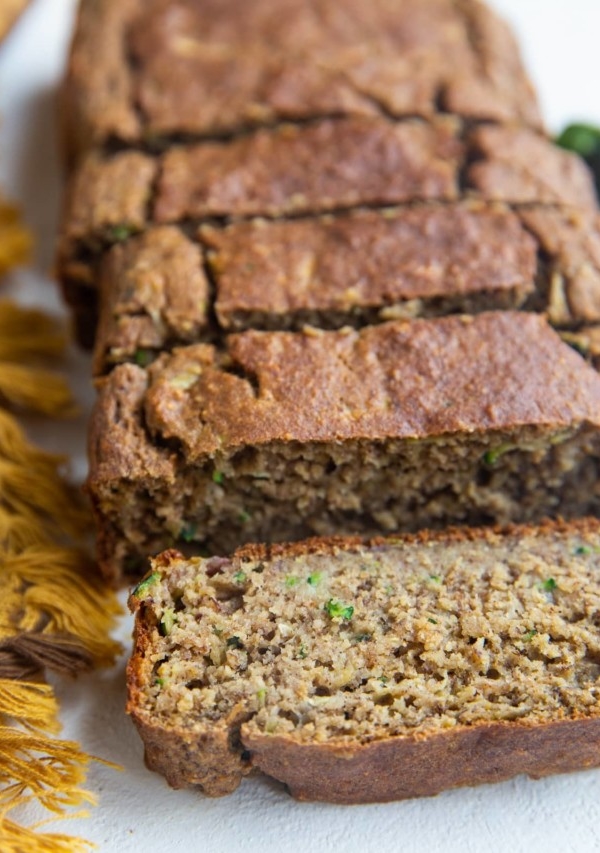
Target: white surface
{"points": [[137, 811]]}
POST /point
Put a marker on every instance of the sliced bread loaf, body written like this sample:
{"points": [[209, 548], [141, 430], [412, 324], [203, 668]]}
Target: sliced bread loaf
{"points": [[370, 671]]}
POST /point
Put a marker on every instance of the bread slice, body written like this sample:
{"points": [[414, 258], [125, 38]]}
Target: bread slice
{"points": [[328, 272], [284, 435], [143, 72], [369, 671]]}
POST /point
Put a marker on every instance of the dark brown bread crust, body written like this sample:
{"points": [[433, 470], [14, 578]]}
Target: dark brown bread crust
{"points": [[350, 269], [331, 165], [330, 272], [198, 409], [522, 167], [399, 768], [267, 274], [387, 768], [324, 166], [401, 380], [154, 294], [139, 71]]}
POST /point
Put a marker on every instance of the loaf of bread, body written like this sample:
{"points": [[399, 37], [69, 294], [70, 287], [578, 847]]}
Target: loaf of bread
{"points": [[198, 114], [398, 426], [370, 671]]}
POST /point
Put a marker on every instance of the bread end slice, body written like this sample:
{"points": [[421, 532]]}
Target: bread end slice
{"points": [[359, 670]]}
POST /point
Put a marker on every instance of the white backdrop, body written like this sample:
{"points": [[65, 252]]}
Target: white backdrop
{"points": [[137, 811]]}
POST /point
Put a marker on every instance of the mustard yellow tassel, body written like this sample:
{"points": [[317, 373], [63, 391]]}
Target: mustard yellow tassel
{"points": [[47, 500], [33, 705], [57, 589], [19, 839], [15, 239], [51, 770], [35, 390], [29, 334]]}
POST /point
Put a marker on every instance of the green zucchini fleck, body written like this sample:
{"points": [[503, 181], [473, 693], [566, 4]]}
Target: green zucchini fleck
{"points": [[337, 610], [145, 584]]}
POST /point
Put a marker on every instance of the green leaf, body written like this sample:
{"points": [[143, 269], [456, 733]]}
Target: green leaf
{"points": [[433, 621], [291, 581], [244, 516], [337, 610], [145, 584], [218, 477], [583, 139], [239, 577], [315, 578], [549, 585], [529, 635]]}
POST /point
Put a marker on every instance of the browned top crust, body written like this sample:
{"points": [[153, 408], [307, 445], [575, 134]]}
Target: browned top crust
{"points": [[207, 67], [522, 167], [108, 198], [571, 242], [495, 371], [323, 166], [366, 259], [154, 291], [118, 443]]}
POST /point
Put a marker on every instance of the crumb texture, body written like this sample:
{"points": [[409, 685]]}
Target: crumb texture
{"points": [[350, 645]]}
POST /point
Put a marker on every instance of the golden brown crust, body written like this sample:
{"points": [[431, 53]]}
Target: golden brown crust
{"points": [[327, 165], [522, 167], [347, 385], [457, 255], [154, 293], [399, 768], [97, 98], [334, 544], [141, 71]]}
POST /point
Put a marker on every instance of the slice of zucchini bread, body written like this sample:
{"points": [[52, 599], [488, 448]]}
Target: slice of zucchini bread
{"points": [[370, 671], [283, 435]]}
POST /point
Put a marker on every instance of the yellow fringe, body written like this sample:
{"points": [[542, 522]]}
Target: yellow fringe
{"points": [[15, 240], [15, 447], [57, 589], [35, 390], [47, 589], [18, 839], [28, 334], [42, 499], [51, 770], [33, 705]]}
